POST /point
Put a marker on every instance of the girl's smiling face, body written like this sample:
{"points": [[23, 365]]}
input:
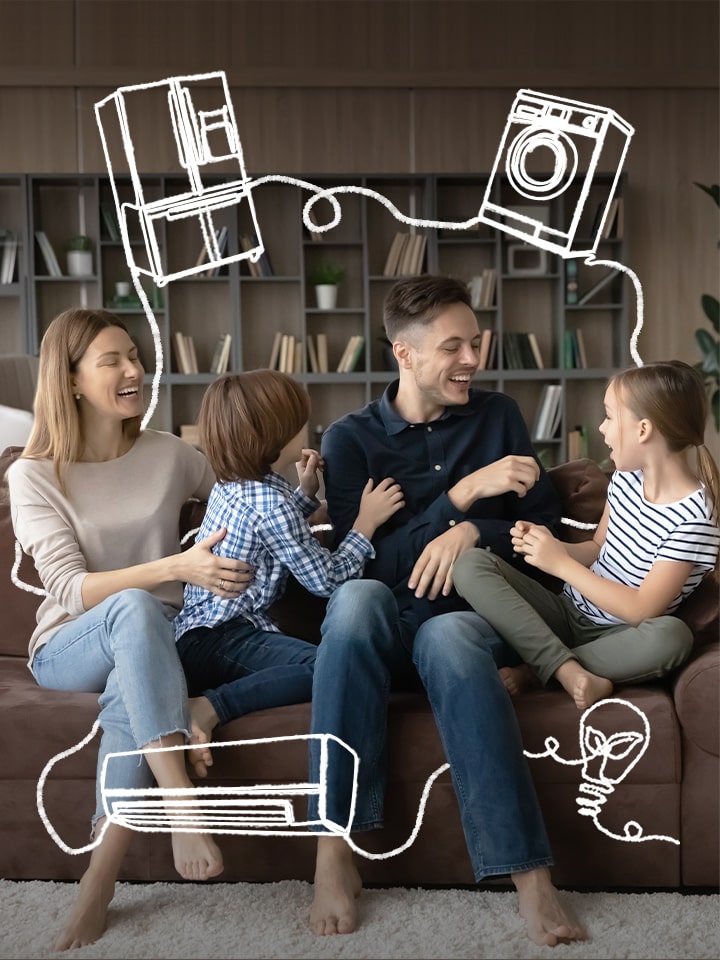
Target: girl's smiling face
{"points": [[620, 431]]}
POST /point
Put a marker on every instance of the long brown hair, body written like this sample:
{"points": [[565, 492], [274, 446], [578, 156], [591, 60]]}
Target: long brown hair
{"points": [[671, 394], [57, 430], [247, 418]]}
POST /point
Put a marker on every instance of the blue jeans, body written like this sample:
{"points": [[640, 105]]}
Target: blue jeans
{"points": [[240, 668], [366, 651], [123, 649]]}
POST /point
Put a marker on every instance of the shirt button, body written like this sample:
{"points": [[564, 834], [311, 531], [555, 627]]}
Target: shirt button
{"points": [[438, 466], [451, 523], [429, 429]]}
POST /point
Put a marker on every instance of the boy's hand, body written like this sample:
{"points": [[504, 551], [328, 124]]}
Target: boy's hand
{"points": [[307, 468]]}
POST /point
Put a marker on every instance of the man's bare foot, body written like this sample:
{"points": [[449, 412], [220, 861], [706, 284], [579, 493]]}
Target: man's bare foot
{"points": [[337, 887], [203, 722], [518, 679], [196, 856], [88, 915], [584, 687], [547, 921]]}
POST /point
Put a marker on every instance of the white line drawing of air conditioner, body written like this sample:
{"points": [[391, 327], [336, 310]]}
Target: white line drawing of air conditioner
{"points": [[273, 809], [193, 121], [552, 146]]}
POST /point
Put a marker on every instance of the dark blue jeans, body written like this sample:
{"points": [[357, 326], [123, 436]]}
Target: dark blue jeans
{"points": [[240, 668], [366, 651]]}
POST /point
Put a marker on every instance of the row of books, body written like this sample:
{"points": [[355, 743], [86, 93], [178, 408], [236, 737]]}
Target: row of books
{"points": [[614, 225], [549, 413], [186, 356], [292, 355], [221, 239], [482, 288], [48, 254], [406, 255], [574, 353], [260, 267], [521, 351], [573, 296], [9, 255]]}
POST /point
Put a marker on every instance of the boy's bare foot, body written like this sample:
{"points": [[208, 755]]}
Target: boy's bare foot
{"points": [[337, 886], [547, 921], [196, 856], [584, 687], [203, 722], [518, 679], [88, 915]]}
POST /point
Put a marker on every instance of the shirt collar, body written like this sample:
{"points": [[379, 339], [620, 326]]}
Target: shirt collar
{"points": [[395, 424]]}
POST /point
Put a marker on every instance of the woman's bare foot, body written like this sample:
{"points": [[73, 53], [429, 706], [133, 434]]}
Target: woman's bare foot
{"points": [[203, 722], [584, 687], [337, 887], [196, 856], [518, 679], [547, 921], [88, 915]]}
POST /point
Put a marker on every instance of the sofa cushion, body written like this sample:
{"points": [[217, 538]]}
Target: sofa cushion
{"points": [[582, 488]]}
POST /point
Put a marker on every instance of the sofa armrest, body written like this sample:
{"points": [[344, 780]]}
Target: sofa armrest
{"points": [[696, 690]]}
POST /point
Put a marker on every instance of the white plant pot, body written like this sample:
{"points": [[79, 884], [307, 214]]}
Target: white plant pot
{"points": [[326, 294], [79, 263]]}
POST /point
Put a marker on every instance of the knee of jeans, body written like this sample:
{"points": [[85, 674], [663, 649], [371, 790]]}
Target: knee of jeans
{"points": [[143, 605], [445, 644], [355, 600], [467, 567]]}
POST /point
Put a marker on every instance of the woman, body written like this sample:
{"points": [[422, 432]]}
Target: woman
{"points": [[96, 503]]}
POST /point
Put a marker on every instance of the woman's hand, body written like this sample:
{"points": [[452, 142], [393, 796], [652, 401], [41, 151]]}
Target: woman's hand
{"points": [[307, 468], [222, 576]]}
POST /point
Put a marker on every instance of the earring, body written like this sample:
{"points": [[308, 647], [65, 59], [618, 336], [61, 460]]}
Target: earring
{"points": [[77, 396]]}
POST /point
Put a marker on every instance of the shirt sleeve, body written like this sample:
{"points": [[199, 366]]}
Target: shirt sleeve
{"points": [[47, 537], [286, 535], [694, 541]]}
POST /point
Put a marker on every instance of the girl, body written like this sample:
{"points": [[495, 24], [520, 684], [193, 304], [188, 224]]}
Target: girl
{"points": [[657, 538], [96, 503], [252, 427]]}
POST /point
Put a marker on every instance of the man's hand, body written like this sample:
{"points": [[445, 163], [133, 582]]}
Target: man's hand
{"points": [[539, 547], [512, 474], [432, 572]]}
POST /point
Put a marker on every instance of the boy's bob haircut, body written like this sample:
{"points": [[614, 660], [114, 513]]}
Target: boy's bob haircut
{"points": [[247, 418]]}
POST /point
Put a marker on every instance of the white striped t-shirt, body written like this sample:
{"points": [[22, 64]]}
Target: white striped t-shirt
{"points": [[640, 532]]}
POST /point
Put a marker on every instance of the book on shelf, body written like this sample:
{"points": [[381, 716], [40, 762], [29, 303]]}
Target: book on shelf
{"points": [[487, 291], [484, 352], [613, 225], [577, 443], [492, 355], [221, 239], [574, 355], [597, 287], [351, 354], [535, 348], [322, 352], [182, 358], [260, 267], [221, 356], [312, 355], [51, 264], [299, 357], [581, 351], [315, 236], [190, 344], [571, 282], [521, 351], [549, 413], [394, 253], [406, 255], [9, 256], [275, 351], [109, 220]]}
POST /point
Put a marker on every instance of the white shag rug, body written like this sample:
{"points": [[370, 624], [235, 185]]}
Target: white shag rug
{"points": [[165, 921]]}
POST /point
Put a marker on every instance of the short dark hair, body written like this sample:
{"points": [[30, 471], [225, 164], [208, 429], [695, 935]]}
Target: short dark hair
{"points": [[247, 418], [419, 300]]}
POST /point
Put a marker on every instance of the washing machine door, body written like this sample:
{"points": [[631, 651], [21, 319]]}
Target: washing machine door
{"points": [[541, 185]]}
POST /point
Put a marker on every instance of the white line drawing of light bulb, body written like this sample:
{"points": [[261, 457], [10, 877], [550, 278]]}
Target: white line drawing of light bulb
{"points": [[605, 762]]}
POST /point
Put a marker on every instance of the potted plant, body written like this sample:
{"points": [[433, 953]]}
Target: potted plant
{"points": [[709, 345], [325, 277], [79, 256]]}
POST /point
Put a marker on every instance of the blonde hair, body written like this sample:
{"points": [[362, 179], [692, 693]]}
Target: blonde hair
{"points": [[671, 394], [246, 419], [57, 433]]}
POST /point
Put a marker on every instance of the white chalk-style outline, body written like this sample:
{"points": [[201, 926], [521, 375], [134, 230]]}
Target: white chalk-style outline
{"points": [[619, 746], [265, 809]]}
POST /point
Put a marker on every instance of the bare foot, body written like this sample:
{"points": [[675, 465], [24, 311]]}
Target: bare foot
{"points": [[337, 887], [584, 687], [547, 921], [86, 922], [196, 856], [203, 722], [518, 679]]}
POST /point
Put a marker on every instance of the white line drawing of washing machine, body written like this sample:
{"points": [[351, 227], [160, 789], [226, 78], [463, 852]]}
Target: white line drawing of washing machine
{"points": [[553, 147]]}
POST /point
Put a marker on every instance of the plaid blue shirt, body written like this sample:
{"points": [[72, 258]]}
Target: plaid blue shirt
{"points": [[267, 527]]}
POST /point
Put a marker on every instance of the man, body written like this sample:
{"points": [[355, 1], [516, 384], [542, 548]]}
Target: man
{"points": [[465, 463]]}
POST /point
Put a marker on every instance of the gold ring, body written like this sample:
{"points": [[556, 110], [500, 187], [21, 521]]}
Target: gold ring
{"points": [[222, 584]]}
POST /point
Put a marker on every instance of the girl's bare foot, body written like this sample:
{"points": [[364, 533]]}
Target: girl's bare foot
{"points": [[548, 922], [88, 915], [203, 722], [337, 887], [518, 679], [196, 856], [584, 687]]}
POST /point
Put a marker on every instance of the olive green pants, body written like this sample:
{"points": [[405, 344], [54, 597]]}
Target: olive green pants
{"points": [[546, 629]]}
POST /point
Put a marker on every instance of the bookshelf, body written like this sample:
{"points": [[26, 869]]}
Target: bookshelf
{"points": [[528, 293]]}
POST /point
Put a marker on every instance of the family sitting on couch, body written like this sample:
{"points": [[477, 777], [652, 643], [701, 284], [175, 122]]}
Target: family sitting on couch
{"points": [[443, 523]]}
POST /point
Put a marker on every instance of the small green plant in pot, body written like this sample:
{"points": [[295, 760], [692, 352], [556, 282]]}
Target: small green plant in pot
{"points": [[79, 256], [709, 345], [325, 277]]}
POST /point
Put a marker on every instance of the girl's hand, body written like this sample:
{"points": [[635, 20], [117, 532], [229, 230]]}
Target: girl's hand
{"points": [[222, 576], [540, 548], [307, 468]]}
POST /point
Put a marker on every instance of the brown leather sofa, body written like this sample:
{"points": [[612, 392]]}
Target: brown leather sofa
{"points": [[672, 790]]}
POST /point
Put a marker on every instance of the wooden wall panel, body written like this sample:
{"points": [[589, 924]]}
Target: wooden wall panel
{"points": [[38, 132], [37, 34]]}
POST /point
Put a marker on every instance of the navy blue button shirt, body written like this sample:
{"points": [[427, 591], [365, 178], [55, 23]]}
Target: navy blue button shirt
{"points": [[427, 459]]}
